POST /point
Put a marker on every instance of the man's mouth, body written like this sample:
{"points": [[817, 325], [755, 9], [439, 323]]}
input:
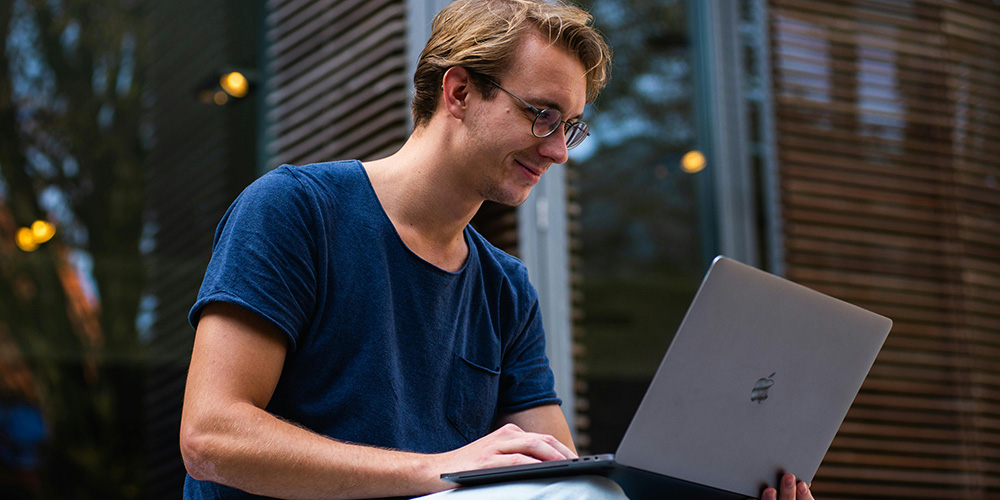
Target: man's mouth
{"points": [[535, 172]]}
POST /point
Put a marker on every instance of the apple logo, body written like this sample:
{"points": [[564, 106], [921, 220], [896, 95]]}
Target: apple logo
{"points": [[760, 388]]}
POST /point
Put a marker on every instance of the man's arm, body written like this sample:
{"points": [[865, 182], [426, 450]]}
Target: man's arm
{"points": [[227, 436]]}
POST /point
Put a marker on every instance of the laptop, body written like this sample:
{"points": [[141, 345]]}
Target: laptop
{"points": [[756, 383]]}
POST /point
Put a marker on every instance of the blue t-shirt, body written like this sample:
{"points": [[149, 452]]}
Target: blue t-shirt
{"points": [[384, 348]]}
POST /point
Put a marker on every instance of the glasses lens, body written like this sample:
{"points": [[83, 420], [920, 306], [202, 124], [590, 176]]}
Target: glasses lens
{"points": [[576, 133], [546, 122]]}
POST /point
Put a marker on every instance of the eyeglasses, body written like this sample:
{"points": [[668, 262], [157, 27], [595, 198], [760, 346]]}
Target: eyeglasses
{"points": [[548, 120]]}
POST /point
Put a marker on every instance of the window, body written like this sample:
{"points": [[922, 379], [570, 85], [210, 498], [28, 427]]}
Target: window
{"points": [[643, 212]]}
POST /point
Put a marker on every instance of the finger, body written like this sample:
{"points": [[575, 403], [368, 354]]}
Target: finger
{"points": [[531, 445], [769, 494], [510, 430], [548, 443], [561, 448], [514, 459], [787, 487], [803, 492]]}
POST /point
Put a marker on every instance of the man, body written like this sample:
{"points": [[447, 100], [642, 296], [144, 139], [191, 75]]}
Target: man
{"points": [[355, 337]]}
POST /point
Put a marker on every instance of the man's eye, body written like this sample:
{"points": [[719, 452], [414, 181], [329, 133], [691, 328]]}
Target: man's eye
{"points": [[549, 116]]}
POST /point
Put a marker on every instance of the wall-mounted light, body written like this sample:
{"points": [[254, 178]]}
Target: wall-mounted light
{"points": [[226, 87], [29, 239], [235, 84], [693, 162]]}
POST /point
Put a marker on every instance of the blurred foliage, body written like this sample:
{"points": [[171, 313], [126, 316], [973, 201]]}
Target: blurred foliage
{"points": [[637, 204], [71, 151], [639, 256]]}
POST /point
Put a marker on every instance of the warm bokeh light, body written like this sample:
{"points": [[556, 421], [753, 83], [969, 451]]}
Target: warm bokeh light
{"points": [[29, 238], [42, 231], [693, 162], [26, 240], [235, 84], [220, 98]]}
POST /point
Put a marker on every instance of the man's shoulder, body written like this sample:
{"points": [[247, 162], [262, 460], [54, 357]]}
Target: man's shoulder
{"points": [[496, 261], [308, 184], [331, 173]]}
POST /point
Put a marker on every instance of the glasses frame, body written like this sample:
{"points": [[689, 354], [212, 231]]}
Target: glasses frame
{"points": [[571, 141]]}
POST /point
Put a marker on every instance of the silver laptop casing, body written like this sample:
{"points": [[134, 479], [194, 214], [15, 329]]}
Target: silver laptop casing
{"points": [[702, 420]]}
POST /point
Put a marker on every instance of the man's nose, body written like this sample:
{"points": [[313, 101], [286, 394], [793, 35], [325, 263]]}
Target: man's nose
{"points": [[554, 147]]}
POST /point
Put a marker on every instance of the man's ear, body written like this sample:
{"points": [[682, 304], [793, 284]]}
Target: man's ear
{"points": [[456, 86]]}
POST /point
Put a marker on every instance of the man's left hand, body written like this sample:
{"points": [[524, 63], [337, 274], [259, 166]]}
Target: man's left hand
{"points": [[790, 489]]}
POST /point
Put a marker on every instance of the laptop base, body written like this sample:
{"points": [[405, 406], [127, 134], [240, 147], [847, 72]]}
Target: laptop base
{"points": [[598, 465], [637, 484], [642, 485]]}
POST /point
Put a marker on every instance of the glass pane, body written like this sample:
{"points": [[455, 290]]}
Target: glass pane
{"points": [[119, 151], [640, 245], [71, 289]]}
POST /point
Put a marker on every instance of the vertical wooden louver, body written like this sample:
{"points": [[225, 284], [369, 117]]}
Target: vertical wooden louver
{"points": [[337, 89], [201, 157], [336, 79], [888, 137], [498, 224]]}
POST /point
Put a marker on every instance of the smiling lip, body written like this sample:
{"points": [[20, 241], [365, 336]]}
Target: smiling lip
{"points": [[533, 174]]}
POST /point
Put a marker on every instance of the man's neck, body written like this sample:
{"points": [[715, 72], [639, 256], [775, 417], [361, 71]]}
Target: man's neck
{"points": [[420, 191]]}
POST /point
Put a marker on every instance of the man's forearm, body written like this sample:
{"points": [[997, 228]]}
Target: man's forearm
{"points": [[254, 451]]}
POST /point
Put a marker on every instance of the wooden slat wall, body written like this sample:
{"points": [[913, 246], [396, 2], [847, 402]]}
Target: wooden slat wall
{"points": [[574, 209], [336, 79], [337, 89], [888, 137], [202, 156], [498, 224]]}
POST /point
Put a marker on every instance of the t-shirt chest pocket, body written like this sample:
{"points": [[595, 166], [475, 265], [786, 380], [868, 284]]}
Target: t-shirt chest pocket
{"points": [[472, 400]]}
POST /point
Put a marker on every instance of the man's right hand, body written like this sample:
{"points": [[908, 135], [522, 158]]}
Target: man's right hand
{"points": [[508, 445]]}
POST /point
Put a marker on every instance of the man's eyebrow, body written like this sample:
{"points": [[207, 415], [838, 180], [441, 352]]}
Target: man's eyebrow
{"points": [[542, 103]]}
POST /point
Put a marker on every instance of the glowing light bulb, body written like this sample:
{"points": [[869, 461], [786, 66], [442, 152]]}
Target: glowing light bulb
{"points": [[693, 162], [26, 240], [42, 231], [235, 84]]}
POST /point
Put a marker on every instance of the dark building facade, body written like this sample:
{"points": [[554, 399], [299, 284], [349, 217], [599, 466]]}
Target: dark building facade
{"points": [[849, 146]]}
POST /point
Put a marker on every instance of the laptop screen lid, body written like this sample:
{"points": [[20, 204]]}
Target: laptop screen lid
{"points": [[757, 381]]}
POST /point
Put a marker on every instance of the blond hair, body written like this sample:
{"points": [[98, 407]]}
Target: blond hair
{"points": [[482, 36]]}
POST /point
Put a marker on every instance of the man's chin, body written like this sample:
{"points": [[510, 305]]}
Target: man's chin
{"points": [[507, 198]]}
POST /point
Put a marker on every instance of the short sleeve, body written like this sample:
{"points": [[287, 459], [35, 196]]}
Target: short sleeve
{"points": [[264, 257], [527, 380]]}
